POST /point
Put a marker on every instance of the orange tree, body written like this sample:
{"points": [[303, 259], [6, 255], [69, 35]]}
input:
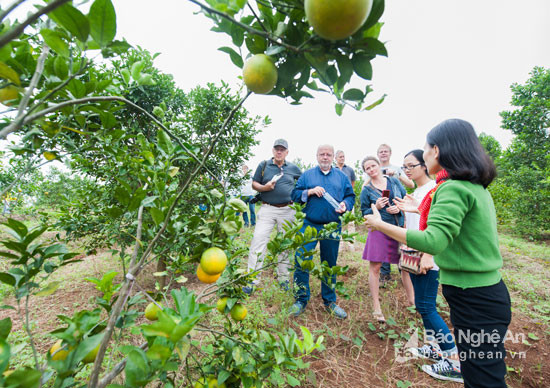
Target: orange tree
{"points": [[121, 122]]}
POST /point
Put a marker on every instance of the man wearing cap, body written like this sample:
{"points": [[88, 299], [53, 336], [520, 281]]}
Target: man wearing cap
{"points": [[312, 189], [274, 179]]}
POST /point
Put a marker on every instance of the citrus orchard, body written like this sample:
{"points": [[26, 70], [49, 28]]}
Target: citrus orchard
{"points": [[213, 261], [260, 74], [206, 278], [337, 19], [152, 311], [238, 312]]}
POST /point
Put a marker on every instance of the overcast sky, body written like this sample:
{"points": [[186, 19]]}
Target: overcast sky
{"points": [[447, 58]]}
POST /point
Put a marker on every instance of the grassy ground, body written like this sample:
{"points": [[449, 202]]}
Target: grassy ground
{"points": [[358, 351]]}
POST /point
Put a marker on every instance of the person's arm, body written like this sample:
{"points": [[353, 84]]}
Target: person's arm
{"points": [[261, 188], [299, 190], [374, 222], [450, 205]]}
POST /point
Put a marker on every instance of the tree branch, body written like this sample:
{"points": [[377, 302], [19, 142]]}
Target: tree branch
{"points": [[18, 29], [246, 27]]}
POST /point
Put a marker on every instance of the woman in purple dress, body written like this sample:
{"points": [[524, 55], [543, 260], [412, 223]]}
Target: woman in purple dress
{"points": [[381, 191]]}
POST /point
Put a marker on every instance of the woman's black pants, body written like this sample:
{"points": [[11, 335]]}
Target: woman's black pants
{"points": [[480, 317]]}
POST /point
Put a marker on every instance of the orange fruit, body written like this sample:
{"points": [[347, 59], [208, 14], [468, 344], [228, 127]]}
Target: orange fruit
{"points": [[213, 261], [238, 312], [152, 310], [206, 278], [260, 74], [336, 19], [220, 305], [90, 357], [57, 353], [8, 95]]}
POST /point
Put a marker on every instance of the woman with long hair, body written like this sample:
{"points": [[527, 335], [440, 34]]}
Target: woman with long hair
{"points": [[380, 192], [439, 340], [462, 235]]}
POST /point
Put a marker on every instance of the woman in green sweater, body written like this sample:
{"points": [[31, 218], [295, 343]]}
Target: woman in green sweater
{"points": [[461, 233]]}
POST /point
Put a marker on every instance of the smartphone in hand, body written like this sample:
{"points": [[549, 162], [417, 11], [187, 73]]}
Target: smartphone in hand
{"points": [[385, 193]]}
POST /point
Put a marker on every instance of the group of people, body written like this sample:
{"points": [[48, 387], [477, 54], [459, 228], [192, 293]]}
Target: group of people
{"points": [[451, 221]]}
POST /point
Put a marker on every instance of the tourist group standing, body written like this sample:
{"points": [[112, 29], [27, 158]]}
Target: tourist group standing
{"points": [[448, 224]]}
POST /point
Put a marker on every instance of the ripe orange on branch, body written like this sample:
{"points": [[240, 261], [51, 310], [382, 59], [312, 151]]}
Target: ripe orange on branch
{"points": [[206, 278], [260, 74], [337, 19], [213, 261]]}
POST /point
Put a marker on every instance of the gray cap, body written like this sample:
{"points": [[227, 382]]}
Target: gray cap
{"points": [[280, 142]]}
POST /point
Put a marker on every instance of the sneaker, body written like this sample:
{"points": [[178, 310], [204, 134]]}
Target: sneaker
{"points": [[296, 309], [427, 351], [444, 370], [284, 285], [336, 310]]}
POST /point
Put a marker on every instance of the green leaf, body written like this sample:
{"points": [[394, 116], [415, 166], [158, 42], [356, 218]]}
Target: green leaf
{"points": [[237, 35], [158, 352], [339, 108], [371, 46], [76, 88], [136, 368], [18, 227], [108, 120], [8, 73], [292, 381], [5, 328], [53, 39], [73, 20], [346, 70], [362, 66], [274, 50], [157, 214], [374, 31], [164, 142], [102, 18], [353, 95], [49, 289], [376, 103], [7, 278], [376, 12], [235, 57], [136, 69], [60, 67], [23, 378]]}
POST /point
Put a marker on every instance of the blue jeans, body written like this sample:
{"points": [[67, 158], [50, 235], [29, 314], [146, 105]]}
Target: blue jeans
{"points": [[425, 295], [329, 253], [251, 208]]}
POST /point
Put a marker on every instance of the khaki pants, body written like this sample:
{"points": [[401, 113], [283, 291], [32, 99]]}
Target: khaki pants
{"points": [[268, 217]]}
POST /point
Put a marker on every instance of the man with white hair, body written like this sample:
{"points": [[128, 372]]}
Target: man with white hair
{"points": [[327, 193]]}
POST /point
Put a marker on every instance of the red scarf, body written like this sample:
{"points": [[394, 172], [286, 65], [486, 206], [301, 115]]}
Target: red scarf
{"points": [[426, 203]]}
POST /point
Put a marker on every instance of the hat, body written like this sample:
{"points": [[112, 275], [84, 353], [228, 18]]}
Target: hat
{"points": [[280, 142]]}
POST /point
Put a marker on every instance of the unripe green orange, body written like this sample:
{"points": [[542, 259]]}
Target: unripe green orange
{"points": [[260, 74], [152, 310], [220, 305], [238, 312], [57, 353], [336, 19]]}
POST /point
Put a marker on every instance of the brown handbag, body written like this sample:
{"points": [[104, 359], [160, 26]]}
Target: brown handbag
{"points": [[410, 260]]}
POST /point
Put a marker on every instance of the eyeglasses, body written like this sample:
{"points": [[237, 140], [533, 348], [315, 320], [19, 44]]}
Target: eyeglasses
{"points": [[411, 166]]}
